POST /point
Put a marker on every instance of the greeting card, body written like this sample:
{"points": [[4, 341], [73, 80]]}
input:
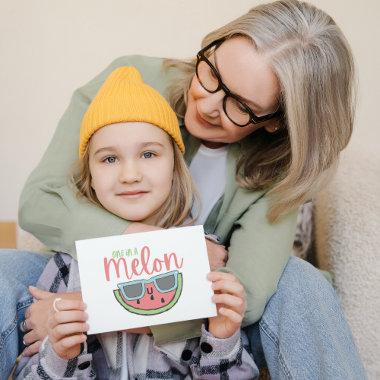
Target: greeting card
{"points": [[145, 279]]}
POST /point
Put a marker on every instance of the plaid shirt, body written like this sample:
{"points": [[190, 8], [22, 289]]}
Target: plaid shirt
{"points": [[134, 356]]}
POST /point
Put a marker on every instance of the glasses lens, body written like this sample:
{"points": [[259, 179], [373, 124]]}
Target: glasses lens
{"points": [[166, 283], [236, 111], [206, 77], [133, 291]]}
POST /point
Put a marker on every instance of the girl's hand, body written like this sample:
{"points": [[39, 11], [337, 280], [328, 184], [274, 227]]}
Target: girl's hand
{"points": [[66, 328], [230, 303], [37, 315]]}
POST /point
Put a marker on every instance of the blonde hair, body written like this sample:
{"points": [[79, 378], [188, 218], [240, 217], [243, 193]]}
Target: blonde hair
{"points": [[313, 63], [176, 209]]}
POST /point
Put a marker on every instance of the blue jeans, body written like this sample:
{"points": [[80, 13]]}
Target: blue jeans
{"points": [[303, 333], [18, 270]]}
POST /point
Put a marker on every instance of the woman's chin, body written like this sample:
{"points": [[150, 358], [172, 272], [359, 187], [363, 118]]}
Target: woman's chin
{"points": [[198, 131]]}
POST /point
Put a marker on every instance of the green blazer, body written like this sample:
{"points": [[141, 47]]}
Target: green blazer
{"points": [[50, 209]]}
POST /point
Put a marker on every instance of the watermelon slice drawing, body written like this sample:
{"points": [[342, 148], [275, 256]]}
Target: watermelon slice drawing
{"points": [[150, 296]]}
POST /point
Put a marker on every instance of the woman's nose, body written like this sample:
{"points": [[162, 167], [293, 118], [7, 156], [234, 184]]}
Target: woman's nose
{"points": [[212, 104], [130, 172]]}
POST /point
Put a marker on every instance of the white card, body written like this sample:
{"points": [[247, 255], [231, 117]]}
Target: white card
{"points": [[145, 279]]}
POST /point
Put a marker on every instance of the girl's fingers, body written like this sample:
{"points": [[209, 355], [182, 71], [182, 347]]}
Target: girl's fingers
{"points": [[232, 315], [214, 276], [39, 294], [27, 312], [30, 338], [68, 317], [63, 330], [68, 342], [229, 300], [230, 287], [67, 304], [32, 349]]}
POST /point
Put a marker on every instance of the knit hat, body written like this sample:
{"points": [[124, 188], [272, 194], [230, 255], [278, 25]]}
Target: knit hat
{"points": [[125, 97]]}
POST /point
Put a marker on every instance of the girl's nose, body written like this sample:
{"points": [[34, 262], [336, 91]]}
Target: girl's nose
{"points": [[130, 173]]}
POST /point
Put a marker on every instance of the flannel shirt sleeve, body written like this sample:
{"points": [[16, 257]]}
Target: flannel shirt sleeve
{"points": [[223, 358], [47, 365], [55, 276]]}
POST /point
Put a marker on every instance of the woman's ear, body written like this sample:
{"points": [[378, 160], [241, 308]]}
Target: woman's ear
{"points": [[273, 126]]}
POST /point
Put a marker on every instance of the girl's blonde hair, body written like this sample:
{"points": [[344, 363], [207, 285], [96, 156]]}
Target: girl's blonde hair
{"points": [[314, 66], [176, 209]]}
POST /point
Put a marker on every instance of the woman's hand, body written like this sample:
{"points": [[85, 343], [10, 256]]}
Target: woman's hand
{"points": [[67, 327], [230, 302], [217, 255], [37, 315]]}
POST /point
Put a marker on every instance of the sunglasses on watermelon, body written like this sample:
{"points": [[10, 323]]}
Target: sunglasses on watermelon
{"points": [[164, 282]]}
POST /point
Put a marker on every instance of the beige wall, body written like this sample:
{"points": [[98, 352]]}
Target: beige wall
{"points": [[50, 47]]}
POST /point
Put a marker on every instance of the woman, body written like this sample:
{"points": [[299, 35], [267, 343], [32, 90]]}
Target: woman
{"points": [[272, 93]]}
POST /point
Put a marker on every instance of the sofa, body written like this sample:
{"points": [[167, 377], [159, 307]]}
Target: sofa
{"points": [[347, 243]]}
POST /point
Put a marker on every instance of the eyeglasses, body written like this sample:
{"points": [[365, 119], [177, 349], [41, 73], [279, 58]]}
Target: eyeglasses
{"points": [[235, 109], [133, 290]]}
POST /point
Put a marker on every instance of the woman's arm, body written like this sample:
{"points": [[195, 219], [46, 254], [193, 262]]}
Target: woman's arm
{"points": [[258, 254], [49, 207]]}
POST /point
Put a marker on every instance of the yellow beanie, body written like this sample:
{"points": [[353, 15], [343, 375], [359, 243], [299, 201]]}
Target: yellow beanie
{"points": [[125, 97]]}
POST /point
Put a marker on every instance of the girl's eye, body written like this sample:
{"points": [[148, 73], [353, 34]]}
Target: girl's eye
{"points": [[148, 154], [110, 159]]}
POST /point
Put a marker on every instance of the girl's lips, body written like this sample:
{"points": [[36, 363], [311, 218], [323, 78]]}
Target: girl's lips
{"points": [[132, 194]]}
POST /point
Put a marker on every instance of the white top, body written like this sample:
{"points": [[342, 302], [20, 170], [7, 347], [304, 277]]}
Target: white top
{"points": [[208, 170]]}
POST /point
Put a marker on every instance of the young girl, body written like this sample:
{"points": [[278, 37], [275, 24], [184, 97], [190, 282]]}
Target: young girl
{"points": [[131, 164]]}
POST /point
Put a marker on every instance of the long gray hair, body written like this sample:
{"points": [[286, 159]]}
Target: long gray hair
{"points": [[314, 65]]}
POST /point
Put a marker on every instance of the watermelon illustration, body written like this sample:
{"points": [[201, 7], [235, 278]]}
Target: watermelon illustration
{"points": [[150, 296]]}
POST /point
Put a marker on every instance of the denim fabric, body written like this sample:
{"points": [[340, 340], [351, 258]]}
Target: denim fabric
{"points": [[18, 270], [303, 332]]}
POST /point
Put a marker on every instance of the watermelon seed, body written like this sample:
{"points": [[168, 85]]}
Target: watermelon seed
{"points": [[151, 297], [162, 300], [138, 302]]}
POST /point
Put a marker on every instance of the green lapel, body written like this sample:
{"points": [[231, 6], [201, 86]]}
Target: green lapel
{"points": [[231, 185], [236, 200]]}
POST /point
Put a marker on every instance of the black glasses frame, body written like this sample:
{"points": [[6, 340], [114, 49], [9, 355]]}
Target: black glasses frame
{"points": [[253, 118]]}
